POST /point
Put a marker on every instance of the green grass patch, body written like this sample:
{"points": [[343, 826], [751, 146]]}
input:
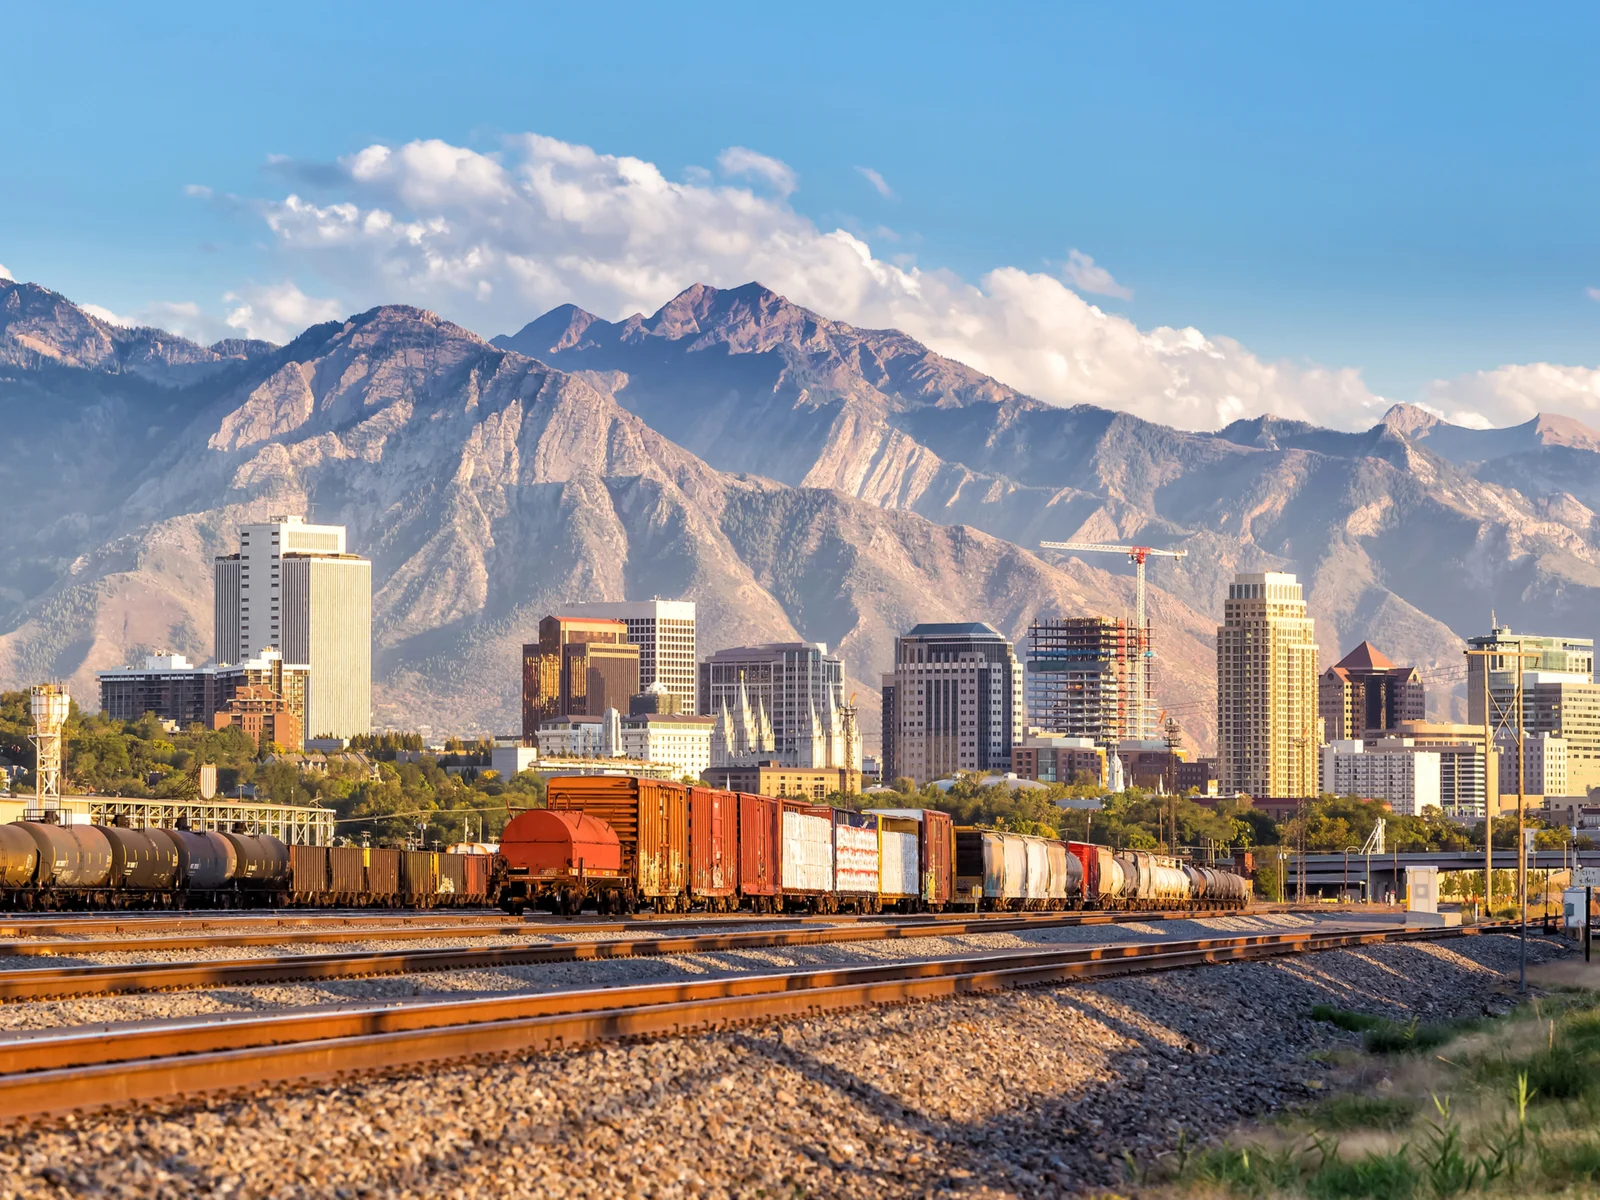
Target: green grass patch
{"points": [[1383, 1036], [1370, 1177], [1577, 1160], [1515, 1112], [1356, 1111], [1350, 1022]]}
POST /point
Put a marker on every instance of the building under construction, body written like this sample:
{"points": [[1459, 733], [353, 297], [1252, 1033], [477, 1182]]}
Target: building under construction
{"points": [[1080, 677]]}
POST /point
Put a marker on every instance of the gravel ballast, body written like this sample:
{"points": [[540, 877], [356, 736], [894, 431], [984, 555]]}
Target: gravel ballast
{"points": [[542, 977], [1033, 1093]]}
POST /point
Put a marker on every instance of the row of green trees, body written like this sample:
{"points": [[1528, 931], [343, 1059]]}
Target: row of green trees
{"points": [[382, 798]]}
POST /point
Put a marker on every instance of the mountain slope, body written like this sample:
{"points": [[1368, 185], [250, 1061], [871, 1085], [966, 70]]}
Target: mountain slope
{"points": [[489, 488], [1409, 532], [798, 477]]}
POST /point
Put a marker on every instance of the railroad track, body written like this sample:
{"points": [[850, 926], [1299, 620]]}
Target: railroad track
{"points": [[17, 925], [51, 983], [38, 945], [56, 1071]]}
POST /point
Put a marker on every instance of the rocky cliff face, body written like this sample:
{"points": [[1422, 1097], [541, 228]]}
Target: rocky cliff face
{"points": [[488, 488], [797, 477], [1408, 533]]}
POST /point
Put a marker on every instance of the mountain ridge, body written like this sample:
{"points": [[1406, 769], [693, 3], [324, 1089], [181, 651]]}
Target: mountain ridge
{"points": [[799, 477]]}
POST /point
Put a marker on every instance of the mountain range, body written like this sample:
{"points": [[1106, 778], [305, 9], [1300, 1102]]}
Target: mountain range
{"points": [[799, 478]]}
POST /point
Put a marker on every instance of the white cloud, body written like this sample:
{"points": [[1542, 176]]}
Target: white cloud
{"points": [[879, 184], [739, 161], [5, 274], [1514, 394], [109, 317], [496, 240], [182, 317], [1592, 293], [1085, 275], [277, 312], [198, 190]]}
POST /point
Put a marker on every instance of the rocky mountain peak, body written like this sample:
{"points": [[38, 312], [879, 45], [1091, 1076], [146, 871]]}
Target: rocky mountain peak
{"points": [[1410, 420], [1552, 429], [565, 327], [38, 325]]}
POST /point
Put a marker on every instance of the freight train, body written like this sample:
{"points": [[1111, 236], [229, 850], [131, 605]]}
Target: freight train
{"points": [[617, 844], [44, 865], [621, 844]]}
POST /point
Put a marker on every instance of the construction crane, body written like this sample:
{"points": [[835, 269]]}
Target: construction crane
{"points": [[1136, 555]]}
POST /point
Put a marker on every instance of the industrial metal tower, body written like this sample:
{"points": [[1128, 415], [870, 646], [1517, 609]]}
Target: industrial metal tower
{"points": [[50, 705]]}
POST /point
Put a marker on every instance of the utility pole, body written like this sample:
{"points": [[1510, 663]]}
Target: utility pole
{"points": [[1495, 718]]}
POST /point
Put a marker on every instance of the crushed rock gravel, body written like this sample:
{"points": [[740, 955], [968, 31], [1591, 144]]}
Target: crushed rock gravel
{"points": [[543, 977], [1029, 1094]]}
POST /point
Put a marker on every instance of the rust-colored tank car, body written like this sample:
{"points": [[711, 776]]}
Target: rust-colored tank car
{"points": [[19, 857], [714, 847], [560, 857], [140, 860], [263, 860], [651, 820], [206, 860], [70, 856]]}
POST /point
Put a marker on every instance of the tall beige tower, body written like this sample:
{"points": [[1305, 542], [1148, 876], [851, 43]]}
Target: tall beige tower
{"points": [[1267, 689], [293, 588]]}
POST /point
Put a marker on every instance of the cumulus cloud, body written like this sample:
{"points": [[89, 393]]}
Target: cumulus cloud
{"points": [[495, 240], [877, 181], [109, 317], [5, 274], [1084, 274], [1514, 394], [737, 161], [277, 312]]}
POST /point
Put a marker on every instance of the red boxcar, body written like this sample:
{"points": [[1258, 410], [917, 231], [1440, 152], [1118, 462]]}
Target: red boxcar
{"points": [[938, 858], [713, 847], [1089, 856], [651, 820], [760, 849]]}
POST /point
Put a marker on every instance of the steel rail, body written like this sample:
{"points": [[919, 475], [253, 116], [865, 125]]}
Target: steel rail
{"points": [[102, 979], [60, 1071], [507, 927], [57, 924], [311, 920]]}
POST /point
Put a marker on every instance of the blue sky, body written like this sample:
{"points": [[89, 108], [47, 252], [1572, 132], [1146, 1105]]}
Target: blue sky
{"points": [[1402, 191]]}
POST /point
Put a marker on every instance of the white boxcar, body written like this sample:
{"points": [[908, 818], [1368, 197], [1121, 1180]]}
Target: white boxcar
{"points": [[1036, 877], [855, 853], [807, 850], [897, 858]]}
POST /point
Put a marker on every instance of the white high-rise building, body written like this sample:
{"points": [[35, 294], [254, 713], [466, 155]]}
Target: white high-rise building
{"points": [[293, 588], [664, 632], [782, 703], [1391, 769]]}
